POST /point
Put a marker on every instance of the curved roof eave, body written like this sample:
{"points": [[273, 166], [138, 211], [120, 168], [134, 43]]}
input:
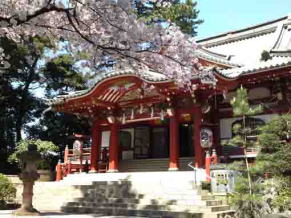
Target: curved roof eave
{"points": [[150, 77], [87, 92], [273, 64], [214, 57], [250, 28]]}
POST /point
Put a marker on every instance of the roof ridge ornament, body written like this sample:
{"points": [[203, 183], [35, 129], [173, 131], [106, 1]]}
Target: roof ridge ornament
{"points": [[207, 77]]}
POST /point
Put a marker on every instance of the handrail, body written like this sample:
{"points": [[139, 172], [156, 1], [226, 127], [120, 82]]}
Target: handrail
{"points": [[195, 169]]}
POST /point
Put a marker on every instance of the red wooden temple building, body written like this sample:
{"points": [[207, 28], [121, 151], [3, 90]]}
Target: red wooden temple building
{"points": [[148, 117]]}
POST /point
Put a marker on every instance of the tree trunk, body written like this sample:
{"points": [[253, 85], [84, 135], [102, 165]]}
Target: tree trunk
{"points": [[18, 127], [23, 102], [245, 156]]}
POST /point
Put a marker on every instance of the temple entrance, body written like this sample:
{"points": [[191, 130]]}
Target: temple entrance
{"points": [[159, 143], [186, 140], [144, 142], [141, 142]]}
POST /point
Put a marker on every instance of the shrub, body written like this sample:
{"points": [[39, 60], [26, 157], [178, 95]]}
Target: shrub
{"points": [[47, 150], [206, 185], [7, 191]]}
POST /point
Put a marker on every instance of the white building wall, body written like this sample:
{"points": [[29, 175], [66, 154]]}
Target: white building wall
{"points": [[105, 138]]}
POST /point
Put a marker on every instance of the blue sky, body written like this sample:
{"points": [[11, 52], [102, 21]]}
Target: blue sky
{"points": [[225, 15]]}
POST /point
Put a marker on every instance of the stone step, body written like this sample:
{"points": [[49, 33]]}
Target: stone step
{"points": [[207, 197], [162, 188], [204, 192], [176, 201], [150, 194], [185, 177], [122, 191], [168, 206], [213, 202], [126, 192], [121, 205], [143, 165], [132, 212], [157, 160], [108, 200], [93, 194], [148, 197], [219, 208], [182, 202], [220, 214]]}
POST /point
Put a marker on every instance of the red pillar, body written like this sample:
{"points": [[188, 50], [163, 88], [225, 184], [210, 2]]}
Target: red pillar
{"points": [[216, 128], [207, 166], [95, 147], [81, 158], [59, 171], [66, 154], [198, 150], [113, 148], [69, 167], [174, 143], [214, 157]]}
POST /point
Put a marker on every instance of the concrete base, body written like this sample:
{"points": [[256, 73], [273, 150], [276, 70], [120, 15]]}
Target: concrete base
{"points": [[25, 212], [112, 171], [173, 169], [93, 171]]}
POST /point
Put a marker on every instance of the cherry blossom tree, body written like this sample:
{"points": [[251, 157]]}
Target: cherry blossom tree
{"points": [[104, 28]]}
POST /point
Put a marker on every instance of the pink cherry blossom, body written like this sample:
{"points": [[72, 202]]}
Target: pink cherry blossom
{"points": [[105, 27]]}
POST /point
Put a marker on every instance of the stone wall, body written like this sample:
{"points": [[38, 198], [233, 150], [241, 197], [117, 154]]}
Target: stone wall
{"points": [[48, 196]]}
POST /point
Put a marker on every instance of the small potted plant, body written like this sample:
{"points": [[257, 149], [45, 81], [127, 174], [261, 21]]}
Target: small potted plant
{"points": [[48, 152]]}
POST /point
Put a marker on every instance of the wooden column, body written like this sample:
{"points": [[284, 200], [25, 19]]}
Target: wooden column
{"points": [[95, 147], [216, 128], [113, 148], [199, 153], [59, 171], [66, 154], [174, 143], [207, 166]]}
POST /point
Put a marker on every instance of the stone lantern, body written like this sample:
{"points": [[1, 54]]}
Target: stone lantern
{"points": [[28, 175]]}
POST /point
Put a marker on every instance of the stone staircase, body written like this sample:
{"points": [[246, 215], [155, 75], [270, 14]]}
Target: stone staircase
{"points": [[152, 165], [160, 194]]}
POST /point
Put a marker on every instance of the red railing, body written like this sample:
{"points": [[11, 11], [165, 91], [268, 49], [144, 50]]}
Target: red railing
{"points": [[78, 161]]}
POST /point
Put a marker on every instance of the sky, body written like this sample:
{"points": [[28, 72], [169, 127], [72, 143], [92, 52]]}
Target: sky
{"points": [[227, 15]]}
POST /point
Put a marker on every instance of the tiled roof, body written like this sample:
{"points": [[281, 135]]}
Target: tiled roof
{"points": [[206, 54], [245, 46], [240, 34], [274, 63], [282, 46]]}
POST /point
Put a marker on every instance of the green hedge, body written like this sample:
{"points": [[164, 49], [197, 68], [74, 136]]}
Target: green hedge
{"points": [[7, 191], [46, 148]]}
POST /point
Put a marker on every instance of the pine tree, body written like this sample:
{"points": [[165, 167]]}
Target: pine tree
{"points": [[275, 158], [183, 13], [253, 198], [242, 108], [248, 197]]}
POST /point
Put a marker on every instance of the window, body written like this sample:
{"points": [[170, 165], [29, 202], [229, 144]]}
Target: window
{"points": [[252, 124]]}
